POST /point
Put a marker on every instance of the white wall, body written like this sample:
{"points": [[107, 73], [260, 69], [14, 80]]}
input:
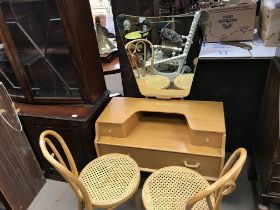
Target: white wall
{"points": [[114, 83]]}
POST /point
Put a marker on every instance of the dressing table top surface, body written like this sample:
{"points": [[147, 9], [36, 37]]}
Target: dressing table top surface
{"points": [[200, 115]]}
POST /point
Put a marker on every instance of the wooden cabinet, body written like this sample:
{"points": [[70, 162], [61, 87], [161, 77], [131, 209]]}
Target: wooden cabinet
{"points": [[159, 133], [75, 123], [43, 58], [50, 56], [265, 168]]}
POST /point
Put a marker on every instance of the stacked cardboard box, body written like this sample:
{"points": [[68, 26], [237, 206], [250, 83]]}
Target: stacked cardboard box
{"points": [[270, 25], [230, 23]]}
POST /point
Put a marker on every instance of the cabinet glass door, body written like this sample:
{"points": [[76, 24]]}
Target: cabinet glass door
{"points": [[38, 34]]}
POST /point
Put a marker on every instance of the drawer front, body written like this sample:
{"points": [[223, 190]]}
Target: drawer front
{"points": [[110, 129], [117, 130], [209, 139], [154, 159]]}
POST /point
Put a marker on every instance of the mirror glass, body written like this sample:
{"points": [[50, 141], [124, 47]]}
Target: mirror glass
{"points": [[157, 49]]}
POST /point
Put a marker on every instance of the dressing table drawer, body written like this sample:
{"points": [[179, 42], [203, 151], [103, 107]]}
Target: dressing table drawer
{"points": [[209, 139], [110, 129], [151, 160]]}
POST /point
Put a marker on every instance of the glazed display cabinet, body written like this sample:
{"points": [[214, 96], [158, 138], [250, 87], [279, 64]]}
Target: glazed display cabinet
{"points": [[43, 59], [50, 66]]}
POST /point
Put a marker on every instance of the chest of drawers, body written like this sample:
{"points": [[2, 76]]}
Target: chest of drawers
{"points": [[159, 133]]}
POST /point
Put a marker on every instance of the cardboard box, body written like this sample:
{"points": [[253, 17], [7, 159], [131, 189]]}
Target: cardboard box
{"points": [[230, 23], [270, 26]]}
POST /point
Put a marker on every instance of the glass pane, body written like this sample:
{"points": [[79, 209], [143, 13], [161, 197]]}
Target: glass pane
{"points": [[7, 75], [158, 48], [41, 43]]}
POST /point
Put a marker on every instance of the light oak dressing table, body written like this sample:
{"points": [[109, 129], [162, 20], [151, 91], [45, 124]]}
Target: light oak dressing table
{"points": [[158, 133]]}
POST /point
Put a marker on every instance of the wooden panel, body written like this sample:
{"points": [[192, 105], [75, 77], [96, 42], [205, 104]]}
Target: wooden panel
{"points": [[111, 68], [21, 176], [150, 160], [78, 112], [268, 126], [77, 20]]}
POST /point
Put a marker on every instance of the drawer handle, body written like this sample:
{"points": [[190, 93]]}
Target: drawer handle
{"points": [[191, 165]]}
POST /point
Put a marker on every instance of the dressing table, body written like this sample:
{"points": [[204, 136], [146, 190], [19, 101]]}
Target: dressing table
{"points": [[158, 133], [160, 130]]}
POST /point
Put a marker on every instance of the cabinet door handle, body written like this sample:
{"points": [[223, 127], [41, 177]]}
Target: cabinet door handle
{"points": [[196, 165]]}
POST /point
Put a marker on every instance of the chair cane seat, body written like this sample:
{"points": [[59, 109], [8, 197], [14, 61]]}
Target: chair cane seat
{"points": [[171, 187], [156, 81], [184, 81], [110, 179]]}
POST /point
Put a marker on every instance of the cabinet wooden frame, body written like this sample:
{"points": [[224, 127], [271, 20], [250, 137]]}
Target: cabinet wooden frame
{"points": [[264, 170], [83, 51]]}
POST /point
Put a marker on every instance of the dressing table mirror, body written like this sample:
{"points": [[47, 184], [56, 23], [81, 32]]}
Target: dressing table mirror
{"points": [[160, 130], [157, 48]]}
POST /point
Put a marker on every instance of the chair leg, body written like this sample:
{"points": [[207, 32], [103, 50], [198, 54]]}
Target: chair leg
{"points": [[218, 207], [137, 201], [80, 205]]}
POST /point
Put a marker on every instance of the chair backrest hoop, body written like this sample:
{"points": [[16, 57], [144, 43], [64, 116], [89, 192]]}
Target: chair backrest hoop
{"points": [[72, 175], [131, 49], [226, 182]]}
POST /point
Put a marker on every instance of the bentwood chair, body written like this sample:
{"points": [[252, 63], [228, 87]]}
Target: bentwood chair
{"points": [[140, 52], [105, 182], [180, 188]]}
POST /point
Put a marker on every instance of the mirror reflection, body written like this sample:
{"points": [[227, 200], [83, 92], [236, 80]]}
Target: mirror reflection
{"points": [[157, 48]]}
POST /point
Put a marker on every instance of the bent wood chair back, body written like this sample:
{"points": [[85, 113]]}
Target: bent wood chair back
{"points": [[225, 184], [72, 175], [134, 50]]}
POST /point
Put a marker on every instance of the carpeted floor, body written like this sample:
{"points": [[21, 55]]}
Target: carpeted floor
{"points": [[57, 195]]}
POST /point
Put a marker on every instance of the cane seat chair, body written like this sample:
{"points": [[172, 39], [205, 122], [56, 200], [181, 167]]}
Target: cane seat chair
{"points": [[184, 81], [137, 52], [105, 182], [180, 188]]}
